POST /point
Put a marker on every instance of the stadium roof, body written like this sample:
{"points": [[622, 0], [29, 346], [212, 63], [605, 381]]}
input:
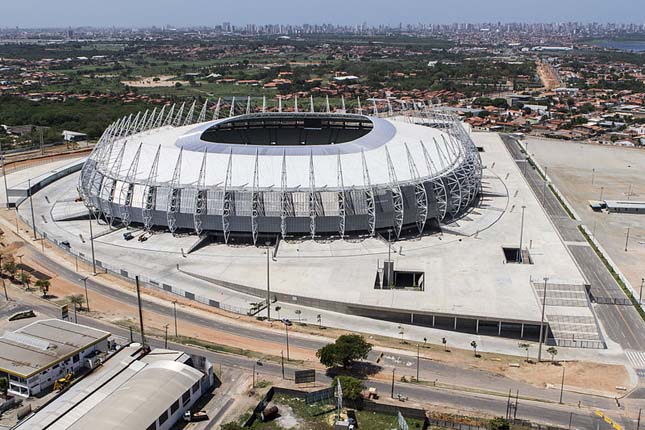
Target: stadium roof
{"points": [[42, 344], [395, 136]]}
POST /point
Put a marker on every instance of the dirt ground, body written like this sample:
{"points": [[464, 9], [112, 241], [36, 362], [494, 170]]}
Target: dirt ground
{"points": [[598, 377], [584, 172]]}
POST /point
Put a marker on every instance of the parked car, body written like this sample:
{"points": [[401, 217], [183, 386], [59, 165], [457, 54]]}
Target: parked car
{"points": [[286, 321]]}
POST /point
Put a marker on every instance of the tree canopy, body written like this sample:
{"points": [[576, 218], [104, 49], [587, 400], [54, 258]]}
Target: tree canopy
{"points": [[352, 387], [347, 349]]}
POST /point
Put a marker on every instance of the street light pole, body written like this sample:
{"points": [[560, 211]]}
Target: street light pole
{"points": [[640, 295], [520, 257], [627, 239], [92, 242], [602, 189], [174, 311], [544, 187], [593, 173], [542, 321], [31, 204], [87, 298], [562, 385], [165, 338]]}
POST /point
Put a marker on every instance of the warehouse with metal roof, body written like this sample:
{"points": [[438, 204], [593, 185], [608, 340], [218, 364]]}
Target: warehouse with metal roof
{"points": [[34, 356], [135, 389]]}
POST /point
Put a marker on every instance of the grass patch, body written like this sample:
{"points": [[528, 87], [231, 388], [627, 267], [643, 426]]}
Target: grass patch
{"points": [[613, 273], [562, 203]]}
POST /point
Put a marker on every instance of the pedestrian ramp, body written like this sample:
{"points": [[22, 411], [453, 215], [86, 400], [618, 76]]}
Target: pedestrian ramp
{"points": [[568, 312], [637, 361]]}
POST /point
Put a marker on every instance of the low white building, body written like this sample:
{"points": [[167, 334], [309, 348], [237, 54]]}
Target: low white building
{"points": [[74, 136], [35, 356], [135, 389]]}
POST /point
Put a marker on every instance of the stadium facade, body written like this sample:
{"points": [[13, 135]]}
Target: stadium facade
{"points": [[257, 174]]}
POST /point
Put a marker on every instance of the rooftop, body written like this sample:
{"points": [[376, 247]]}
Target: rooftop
{"points": [[129, 391], [42, 344]]}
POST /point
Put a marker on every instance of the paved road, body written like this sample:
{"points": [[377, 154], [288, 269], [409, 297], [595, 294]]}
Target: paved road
{"points": [[622, 323], [444, 373], [530, 410]]}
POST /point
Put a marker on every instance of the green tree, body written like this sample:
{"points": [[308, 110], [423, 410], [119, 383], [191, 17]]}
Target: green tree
{"points": [[345, 351], [25, 279], [499, 423], [4, 386], [553, 352], [9, 266], [76, 299], [43, 285], [352, 387], [526, 347]]}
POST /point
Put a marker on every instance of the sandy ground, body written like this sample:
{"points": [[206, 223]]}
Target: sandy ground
{"points": [[149, 82], [618, 174], [591, 376]]}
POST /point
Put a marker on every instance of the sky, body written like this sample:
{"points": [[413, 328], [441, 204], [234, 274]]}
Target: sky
{"points": [[146, 13]]}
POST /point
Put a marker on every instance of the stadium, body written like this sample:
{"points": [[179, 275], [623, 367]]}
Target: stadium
{"points": [[260, 174]]}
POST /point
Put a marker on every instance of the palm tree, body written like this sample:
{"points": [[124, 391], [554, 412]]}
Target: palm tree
{"points": [[474, 346], [9, 266], [43, 284], [25, 278], [277, 309], [77, 300]]}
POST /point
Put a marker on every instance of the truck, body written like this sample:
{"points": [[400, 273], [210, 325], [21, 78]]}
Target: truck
{"points": [[194, 417]]}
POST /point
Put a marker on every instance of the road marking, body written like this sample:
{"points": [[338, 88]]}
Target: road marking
{"points": [[636, 358]]}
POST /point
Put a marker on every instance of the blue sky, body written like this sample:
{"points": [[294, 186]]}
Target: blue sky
{"points": [[141, 13]]}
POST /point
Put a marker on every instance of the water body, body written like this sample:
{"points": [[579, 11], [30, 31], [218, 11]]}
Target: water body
{"points": [[623, 45]]}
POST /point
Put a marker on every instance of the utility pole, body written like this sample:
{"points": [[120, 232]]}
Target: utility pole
{"points": [[392, 393], [4, 176], [520, 257], [92, 242], [174, 311], [4, 285], [75, 316], [570, 419], [542, 321], [593, 173], [143, 338], [638, 424], [640, 295], [417, 362], [562, 384], [286, 331], [602, 189], [627, 239], [268, 244], [165, 338], [31, 204], [282, 362], [87, 298]]}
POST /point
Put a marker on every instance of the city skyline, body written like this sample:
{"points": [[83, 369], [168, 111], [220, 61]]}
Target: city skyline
{"points": [[288, 12]]}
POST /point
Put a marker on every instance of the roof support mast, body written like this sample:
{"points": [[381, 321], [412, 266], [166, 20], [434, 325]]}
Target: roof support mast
{"points": [[201, 197], [150, 192]]}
